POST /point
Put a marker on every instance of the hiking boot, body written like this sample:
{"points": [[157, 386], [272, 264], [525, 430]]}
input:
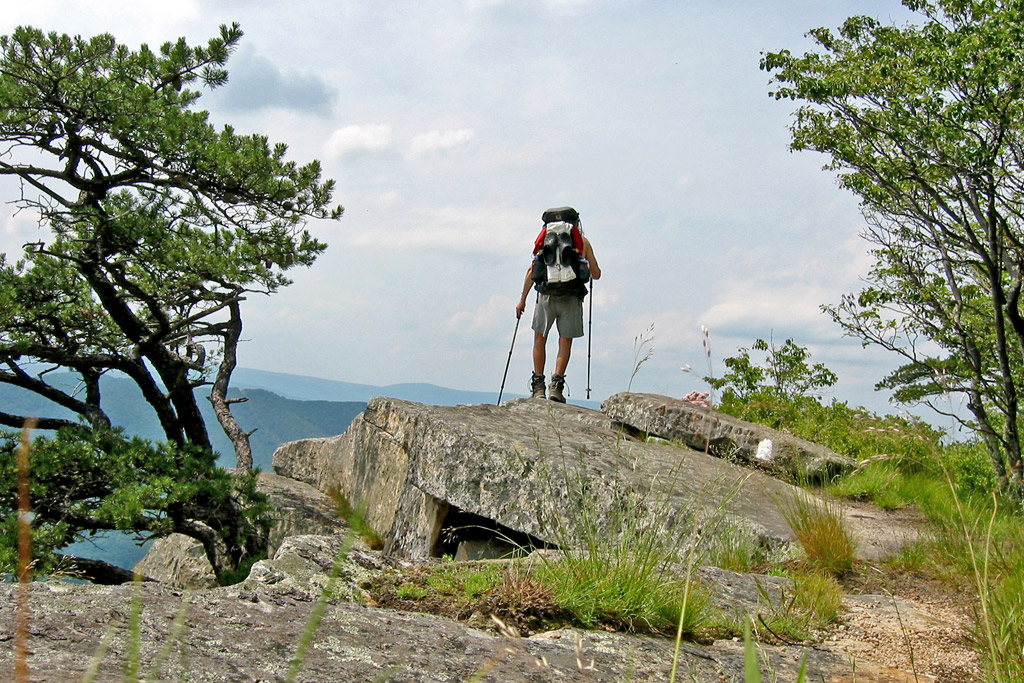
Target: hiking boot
{"points": [[557, 385], [537, 386]]}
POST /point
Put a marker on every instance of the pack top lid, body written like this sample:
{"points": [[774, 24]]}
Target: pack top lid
{"points": [[562, 213]]}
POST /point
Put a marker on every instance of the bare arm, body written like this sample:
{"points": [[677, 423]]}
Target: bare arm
{"points": [[588, 253], [527, 284]]}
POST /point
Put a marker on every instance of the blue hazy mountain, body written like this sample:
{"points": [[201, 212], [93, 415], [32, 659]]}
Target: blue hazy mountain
{"points": [[279, 406], [276, 419], [313, 388]]}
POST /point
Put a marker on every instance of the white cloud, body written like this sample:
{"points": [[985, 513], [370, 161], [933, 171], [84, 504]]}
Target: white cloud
{"points": [[438, 141], [766, 293], [554, 6], [565, 5], [762, 305], [474, 229], [150, 21], [354, 140], [492, 315], [475, 5]]}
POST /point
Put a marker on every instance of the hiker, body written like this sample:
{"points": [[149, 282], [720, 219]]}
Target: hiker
{"points": [[559, 271]]}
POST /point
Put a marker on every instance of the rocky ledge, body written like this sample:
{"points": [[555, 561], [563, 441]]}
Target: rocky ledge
{"points": [[309, 593], [430, 478], [707, 430], [463, 481]]}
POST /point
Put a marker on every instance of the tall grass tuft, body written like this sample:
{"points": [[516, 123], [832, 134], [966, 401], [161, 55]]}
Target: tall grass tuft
{"points": [[355, 517], [628, 550], [818, 525], [752, 668], [642, 352], [736, 548], [816, 603], [624, 567], [991, 542], [134, 645]]}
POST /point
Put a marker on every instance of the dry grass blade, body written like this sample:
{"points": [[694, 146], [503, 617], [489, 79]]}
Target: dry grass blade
{"points": [[21, 669]]}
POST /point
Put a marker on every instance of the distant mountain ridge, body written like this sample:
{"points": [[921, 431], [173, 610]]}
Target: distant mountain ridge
{"points": [[280, 407], [276, 419], [304, 388]]}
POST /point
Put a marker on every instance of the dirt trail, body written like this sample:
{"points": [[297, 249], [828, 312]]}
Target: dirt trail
{"points": [[909, 627]]}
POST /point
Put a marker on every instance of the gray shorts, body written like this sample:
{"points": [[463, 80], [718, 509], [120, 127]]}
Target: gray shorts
{"points": [[566, 310]]}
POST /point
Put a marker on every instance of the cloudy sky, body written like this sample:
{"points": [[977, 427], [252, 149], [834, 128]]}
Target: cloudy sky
{"points": [[451, 125]]}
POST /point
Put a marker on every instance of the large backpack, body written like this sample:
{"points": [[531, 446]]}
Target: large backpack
{"points": [[558, 263]]}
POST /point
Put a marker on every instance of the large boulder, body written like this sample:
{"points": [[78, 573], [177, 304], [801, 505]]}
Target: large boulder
{"points": [[421, 473], [296, 509], [705, 429], [177, 560]]}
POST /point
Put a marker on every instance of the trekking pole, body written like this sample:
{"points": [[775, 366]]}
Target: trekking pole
{"points": [[590, 334], [505, 376]]}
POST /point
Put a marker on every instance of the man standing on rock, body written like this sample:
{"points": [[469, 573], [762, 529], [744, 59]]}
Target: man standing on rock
{"points": [[563, 262]]}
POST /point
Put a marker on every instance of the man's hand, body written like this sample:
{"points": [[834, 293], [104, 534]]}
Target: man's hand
{"points": [[520, 307]]}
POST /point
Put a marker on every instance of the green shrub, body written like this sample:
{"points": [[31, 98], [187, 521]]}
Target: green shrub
{"points": [[84, 481], [973, 537], [969, 466], [908, 443]]}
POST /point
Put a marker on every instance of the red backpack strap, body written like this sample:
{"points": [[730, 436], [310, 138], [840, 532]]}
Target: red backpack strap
{"points": [[577, 239], [539, 242]]}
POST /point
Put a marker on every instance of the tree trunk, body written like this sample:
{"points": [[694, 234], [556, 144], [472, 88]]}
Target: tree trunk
{"points": [[218, 394]]}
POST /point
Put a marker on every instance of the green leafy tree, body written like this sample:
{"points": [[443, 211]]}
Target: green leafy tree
{"points": [[84, 481], [784, 374], [780, 387], [154, 227], [925, 122], [157, 226]]}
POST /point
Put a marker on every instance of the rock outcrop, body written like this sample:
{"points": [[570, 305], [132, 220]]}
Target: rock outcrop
{"points": [[428, 476], [524, 468], [252, 632], [296, 509], [436, 480], [704, 429]]}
